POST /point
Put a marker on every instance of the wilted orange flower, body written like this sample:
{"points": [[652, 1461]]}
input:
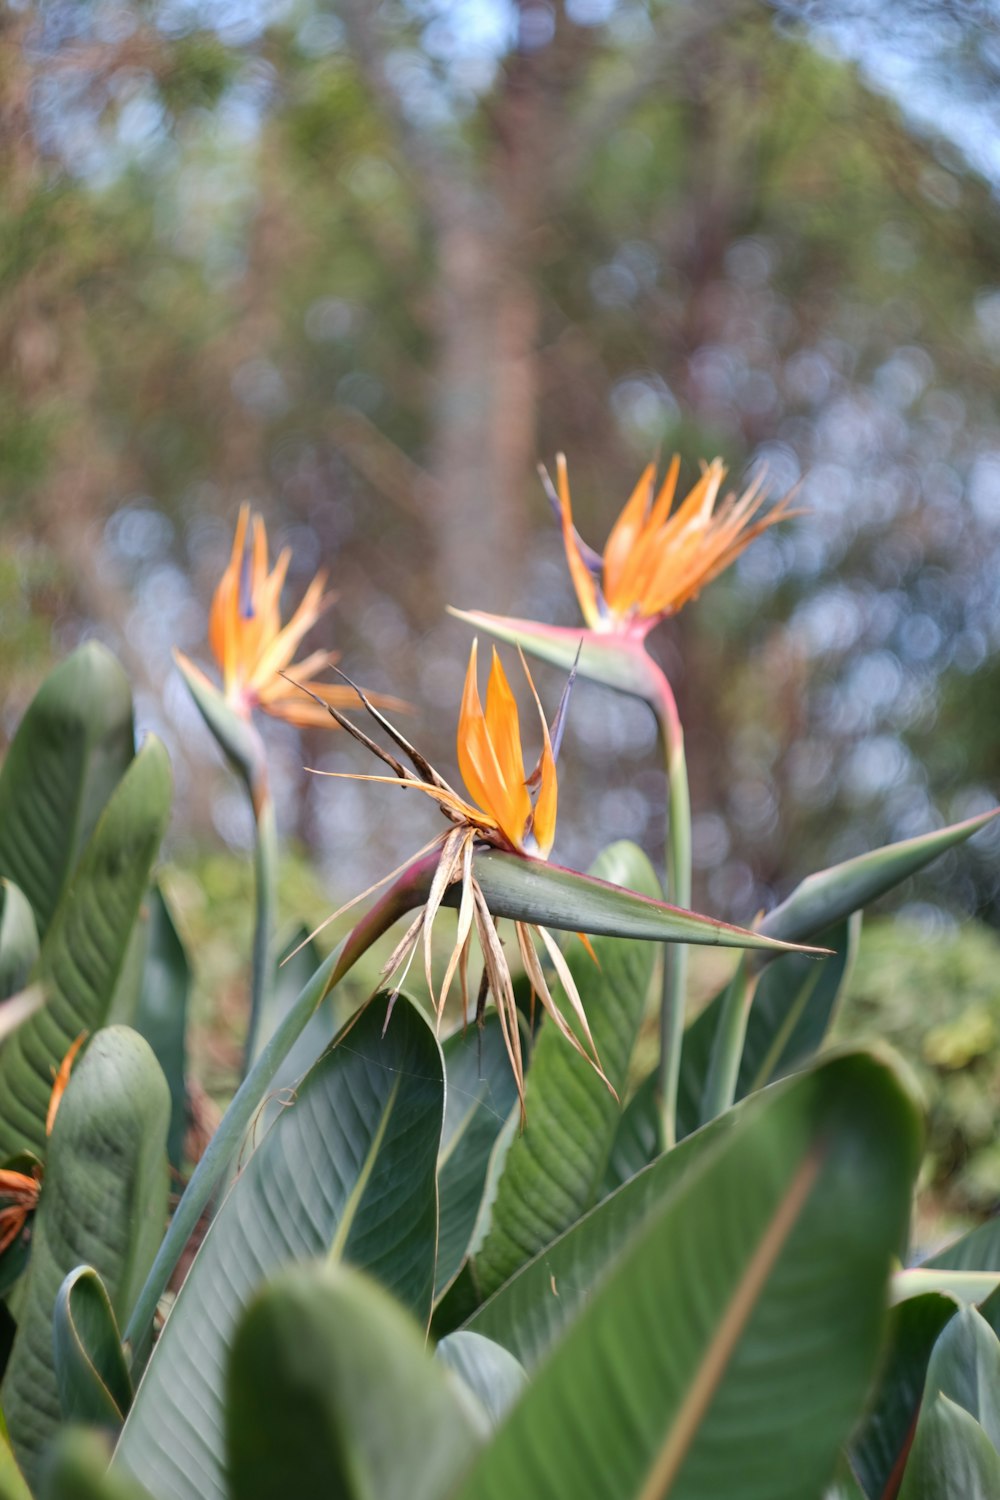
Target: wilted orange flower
{"points": [[511, 811], [654, 562], [19, 1191], [249, 641]]}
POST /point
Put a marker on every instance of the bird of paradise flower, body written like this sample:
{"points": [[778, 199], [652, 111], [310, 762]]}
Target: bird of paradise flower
{"points": [[657, 558], [511, 811]]}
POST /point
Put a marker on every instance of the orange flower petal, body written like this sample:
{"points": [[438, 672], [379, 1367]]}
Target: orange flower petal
{"points": [[583, 582]]}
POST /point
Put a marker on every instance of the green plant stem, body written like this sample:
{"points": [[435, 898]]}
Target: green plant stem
{"points": [[266, 900], [217, 1159], [675, 957], [727, 1045]]}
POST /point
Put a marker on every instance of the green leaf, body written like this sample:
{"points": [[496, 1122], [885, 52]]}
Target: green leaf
{"points": [[831, 895], [683, 1375], [85, 945], [79, 1470], [951, 1458], [879, 1447], [219, 1154], [291, 976], [490, 1372], [638, 1139], [17, 1009], [555, 1167], [161, 1012], [346, 1171], [480, 1094], [18, 939], [532, 1311], [13, 1485], [332, 1393], [532, 890], [91, 1373], [72, 747], [965, 1367], [793, 1009], [103, 1204], [979, 1250], [967, 1286]]}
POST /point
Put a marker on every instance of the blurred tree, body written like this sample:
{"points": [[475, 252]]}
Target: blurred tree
{"points": [[364, 265]]}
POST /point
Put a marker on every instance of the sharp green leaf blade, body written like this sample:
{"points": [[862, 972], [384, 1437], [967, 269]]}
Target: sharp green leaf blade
{"points": [[91, 1373], [103, 1204], [532, 890], [347, 1171], [608, 659], [979, 1250], [555, 1167], [72, 747], [965, 1367], [79, 1471], [793, 1009], [85, 945], [161, 1012], [880, 1446], [683, 1374], [18, 939], [490, 1372], [332, 1393], [831, 895], [480, 1096], [951, 1458], [638, 1138]]}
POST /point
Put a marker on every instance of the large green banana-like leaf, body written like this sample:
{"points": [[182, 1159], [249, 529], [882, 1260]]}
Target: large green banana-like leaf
{"points": [[879, 1447], [161, 1012], [333, 1394], [85, 945], [18, 939], [103, 1203], [792, 1011], [79, 1471], [979, 1250], [682, 1376], [965, 1367], [532, 1311], [555, 1167], [829, 896], [639, 1137], [91, 1373], [951, 1458], [72, 747], [347, 1171], [489, 1371], [480, 1096]]}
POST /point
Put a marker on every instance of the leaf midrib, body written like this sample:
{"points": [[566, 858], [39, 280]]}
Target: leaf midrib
{"points": [[367, 1167], [682, 1432]]}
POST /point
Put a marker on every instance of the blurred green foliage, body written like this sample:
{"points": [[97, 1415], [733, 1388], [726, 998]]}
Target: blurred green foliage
{"points": [[935, 996]]}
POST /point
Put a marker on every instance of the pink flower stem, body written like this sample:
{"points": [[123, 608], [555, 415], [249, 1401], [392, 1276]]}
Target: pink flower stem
{"points": [[672, 1012]]}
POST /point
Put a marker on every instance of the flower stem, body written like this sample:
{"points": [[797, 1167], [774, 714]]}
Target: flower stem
{"points": [[265, 892], [679, 894]]}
